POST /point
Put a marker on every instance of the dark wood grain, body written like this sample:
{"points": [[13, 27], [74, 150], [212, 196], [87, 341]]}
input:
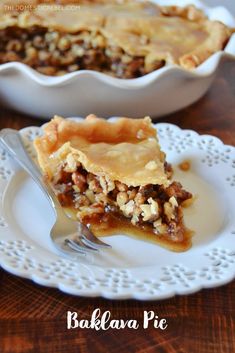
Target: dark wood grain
{"points": [[33, 318]]}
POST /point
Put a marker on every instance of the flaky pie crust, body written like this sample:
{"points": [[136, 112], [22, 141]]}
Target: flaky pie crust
{"points": [[126, 150]]}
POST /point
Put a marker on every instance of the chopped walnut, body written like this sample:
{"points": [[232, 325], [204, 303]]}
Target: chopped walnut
{"points": [[71, 163], [90, 195], [31, 53], [93, 183], [80, 181], [132, 194], [76, 189], [150, 211], [81, 200], [64, 43], [175, 189], [89, 211], [157, 223], [169, 211], [135, 219], [146, 212], [106, 184], [159, 228], [173, 201], [154, 206], [140, 198], [136, 215], [43, 55], [14, 45], [122, 198], [101, 198], [128, 208], [120, 186]]}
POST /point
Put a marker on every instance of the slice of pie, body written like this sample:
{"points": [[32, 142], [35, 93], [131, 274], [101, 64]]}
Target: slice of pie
{"points": [[126, 39], [114, 178]]}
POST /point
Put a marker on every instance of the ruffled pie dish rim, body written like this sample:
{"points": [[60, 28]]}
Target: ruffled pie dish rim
{"points": [[206, 69], [24, 257]]}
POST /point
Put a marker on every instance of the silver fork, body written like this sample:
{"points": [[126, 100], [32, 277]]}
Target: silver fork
{"points": [[67, 235]]}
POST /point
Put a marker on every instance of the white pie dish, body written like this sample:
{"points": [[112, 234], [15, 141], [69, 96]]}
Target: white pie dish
{"points": [[147, 272], [159, 93]]}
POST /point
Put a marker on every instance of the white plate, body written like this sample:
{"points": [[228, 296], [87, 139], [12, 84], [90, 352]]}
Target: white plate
{"points": [[132, 269], [159, 93]]}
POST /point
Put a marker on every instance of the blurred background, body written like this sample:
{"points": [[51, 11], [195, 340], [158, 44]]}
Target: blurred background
{"points": [[230, 4]]}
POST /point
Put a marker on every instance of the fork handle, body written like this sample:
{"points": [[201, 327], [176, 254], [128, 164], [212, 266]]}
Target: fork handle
{"points": [[13, 143]]}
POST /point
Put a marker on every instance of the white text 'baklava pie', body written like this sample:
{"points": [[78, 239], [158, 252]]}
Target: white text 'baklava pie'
{"points": [[114, 178]]}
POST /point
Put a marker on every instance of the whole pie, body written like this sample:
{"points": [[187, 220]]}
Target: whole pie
{"points": [[125, 39], [113, 177]]}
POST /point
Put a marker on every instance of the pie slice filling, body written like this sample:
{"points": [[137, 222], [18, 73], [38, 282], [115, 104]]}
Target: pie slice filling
{"points": [[114, 178]]}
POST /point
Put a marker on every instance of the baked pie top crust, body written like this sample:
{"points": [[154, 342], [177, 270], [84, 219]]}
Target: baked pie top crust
{"points": [[126, 150], [172, 34]]}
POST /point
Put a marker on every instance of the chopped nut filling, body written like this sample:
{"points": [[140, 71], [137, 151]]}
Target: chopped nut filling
{"points": [[93, 195], [55, 53]]}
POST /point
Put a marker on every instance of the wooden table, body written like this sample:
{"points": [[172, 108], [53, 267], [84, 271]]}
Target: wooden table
{"points": [[33, 318]]}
